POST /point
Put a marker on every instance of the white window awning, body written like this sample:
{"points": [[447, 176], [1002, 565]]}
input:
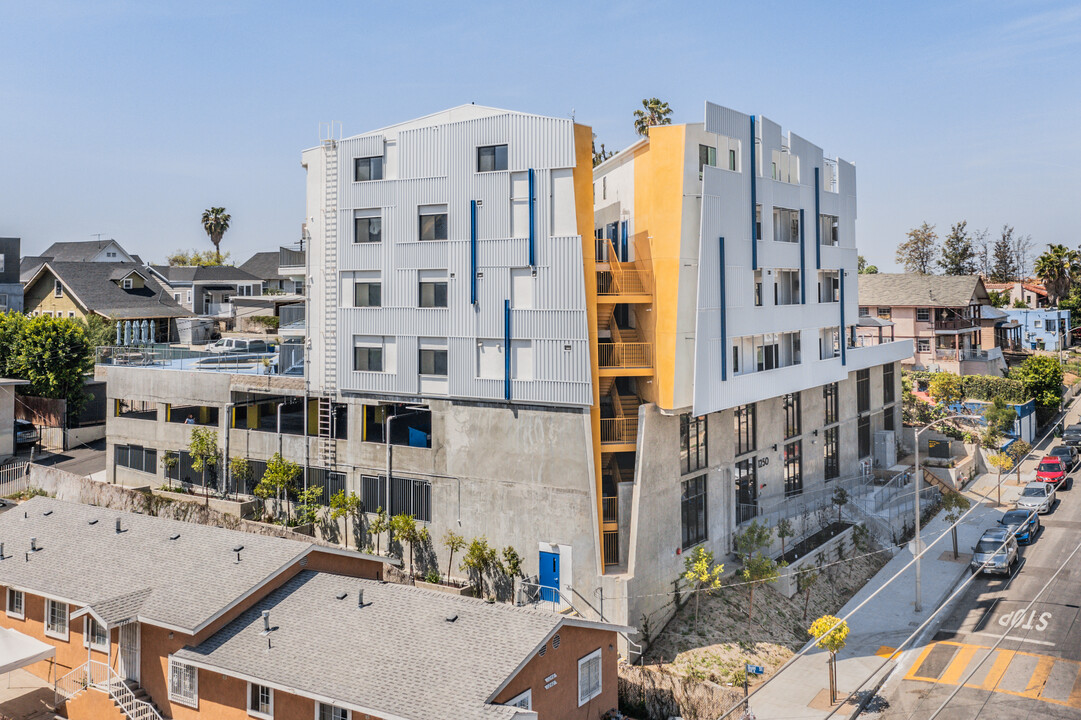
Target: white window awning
{"points": [[18, 650]]}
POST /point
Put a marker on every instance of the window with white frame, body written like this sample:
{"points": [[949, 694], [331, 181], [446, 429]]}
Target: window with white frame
{"points": [[367, 168], [260, 701], [128, 283], [923, 345], [183, 683], [589, 677], [56, 619], [367, 226], [523, 701], [189, 297], [829, 230], [433, 222], [15, 607], [331, 712], [491, 158], [786, 288], [94, 635], [923, 314]]}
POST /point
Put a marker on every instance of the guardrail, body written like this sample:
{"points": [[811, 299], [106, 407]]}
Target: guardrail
{"points": [[291, 317], [625, 355], [290, 258], [166, 357], [619, 431], [98, 675]]}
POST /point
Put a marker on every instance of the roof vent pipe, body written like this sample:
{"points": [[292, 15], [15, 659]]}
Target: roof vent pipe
{"points": [[33, 544], [266, 621], [360, 598], [118, 528], [1, 551]]}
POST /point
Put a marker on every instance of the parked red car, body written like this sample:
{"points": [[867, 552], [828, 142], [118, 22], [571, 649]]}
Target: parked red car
{"points": [[1051, 470]]}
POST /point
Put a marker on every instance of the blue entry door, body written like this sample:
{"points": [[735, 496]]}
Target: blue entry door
{"points": [[549, 576]]}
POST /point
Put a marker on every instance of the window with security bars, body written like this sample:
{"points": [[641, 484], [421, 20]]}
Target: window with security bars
{"points": [[589, 677], [793, 469], [693, 444], [693, 511], [373, 490], [792, 415], [136, 457], [183, 683], [411, 497], [831, 454]]}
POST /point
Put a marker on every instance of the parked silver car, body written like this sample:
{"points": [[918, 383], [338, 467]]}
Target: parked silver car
{"points": [[1038, 496], [996, 552], [238, 345]]}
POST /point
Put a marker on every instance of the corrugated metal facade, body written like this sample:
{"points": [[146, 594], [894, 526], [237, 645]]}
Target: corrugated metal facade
{"points": [[436, 165]]}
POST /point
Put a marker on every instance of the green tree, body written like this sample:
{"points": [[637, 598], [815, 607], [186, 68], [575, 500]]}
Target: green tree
{"points": [[99, 331], [958, 255], [954, 505], [1003, 258], [408, 530], [308, 504], [203, 449], [757, 567], [240, 472], [805, 582], [347, 506], [999, 298], [189, 258], [169, 461], [1042, 377], [277, 481], [453, 542], [700, 569], [945, 387], [1058, 269], [653, 112], [377, 526], [479, 561], [832, 633], [999, 416], [216, 224], [52, 354], [840, 499], [512, 562], [863, 268], [917, 254], [1002, 462], [601, 155], [785, 530], [1017, 451]]}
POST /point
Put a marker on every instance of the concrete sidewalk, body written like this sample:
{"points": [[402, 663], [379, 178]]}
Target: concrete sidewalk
{"points": [[885, 622]]}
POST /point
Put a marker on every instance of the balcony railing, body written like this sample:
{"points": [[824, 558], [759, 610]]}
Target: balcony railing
{"points": [[955, 324], [626, 355], [610, 509], [166, 357], [288, 258], [291, 317], [619, 431], [611, 547]]}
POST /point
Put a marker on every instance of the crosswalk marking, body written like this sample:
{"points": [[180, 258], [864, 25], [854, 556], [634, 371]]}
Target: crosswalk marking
{"points": [[967, 657]]}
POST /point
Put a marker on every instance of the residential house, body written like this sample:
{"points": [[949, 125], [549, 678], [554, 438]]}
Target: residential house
{"points": [[207, 290], [1030, 294], [282, 274], [123, 293], [949, 318], [194, 621], [1043, 328], [106, 251], [11, 288], [498, 329]]}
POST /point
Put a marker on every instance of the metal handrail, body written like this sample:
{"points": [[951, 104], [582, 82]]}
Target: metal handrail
{"points": [[98, 675], [619, 430], [625, 355]]}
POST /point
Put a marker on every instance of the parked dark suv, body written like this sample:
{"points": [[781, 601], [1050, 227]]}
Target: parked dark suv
{"points": [[1072, 435]]}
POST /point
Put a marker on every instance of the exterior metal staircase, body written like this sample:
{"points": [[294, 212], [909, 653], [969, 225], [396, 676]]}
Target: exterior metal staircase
{"points": [[128, 697]]}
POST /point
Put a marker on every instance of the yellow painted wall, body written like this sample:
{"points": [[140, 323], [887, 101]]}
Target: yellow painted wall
{"points": [[658, 213], [39, 298]]}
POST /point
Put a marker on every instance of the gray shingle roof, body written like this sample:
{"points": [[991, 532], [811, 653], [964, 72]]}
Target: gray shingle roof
{"points": [[396, 656], [263, 265], [93, 284], [913, 290], [81, 251], [177, 583], [214, 273]]}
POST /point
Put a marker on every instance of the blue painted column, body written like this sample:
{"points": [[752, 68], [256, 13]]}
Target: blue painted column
{"points": [[818, 224], [506, 349], [473, 252], [532, 221], [754, 201], [624, 254], [802, 262], [724, 314], [844, 333]]}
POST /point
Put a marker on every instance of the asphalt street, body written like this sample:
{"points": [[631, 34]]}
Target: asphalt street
{"points": [[1006, 656]]}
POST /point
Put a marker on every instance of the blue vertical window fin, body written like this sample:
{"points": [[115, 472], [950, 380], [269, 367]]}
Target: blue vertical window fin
{"points": [[802, 262], [624, 253], [506, 349], [818, 224], [532, 219], [844, 339], [724, 314], [473, 252], [754, 201]]}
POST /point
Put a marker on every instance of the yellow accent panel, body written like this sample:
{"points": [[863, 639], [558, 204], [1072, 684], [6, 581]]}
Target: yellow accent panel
{"points": [[658, 217], [253, 416], [313, 416], [583, 206]]}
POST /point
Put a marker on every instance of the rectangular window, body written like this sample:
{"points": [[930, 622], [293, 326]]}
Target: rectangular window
{"points": [[127, 283], [15, 608], [332, 712], [260, 701], [923, 314], [889, 389], [923, 345], [94, 635], [831, 454], [491, 158], [56, 619], [786, 288], [411, 497], [830, 231], [745, 429], [183, 683], [433, 294], [693, 444], [367, 168], [887, 419], [136, 409], [785, 225], [864, 431], [433, 226], [830, 287], [731, 159], [367, 229], [367, 294], [792, 415], [136, 457], [885, 313], [367, 359], [58, 289], [793, 469], [746, 489], [373, 490], [863, 390], [706, 156], [865, 312], [523, 701], [758, 288], [589, 677], [829, 394], [433, 362], [693, 511], [758, 221]]}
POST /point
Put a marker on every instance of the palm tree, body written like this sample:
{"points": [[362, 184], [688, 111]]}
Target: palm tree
{"points": [[653, 112], [216, 222], [1058, 268]]}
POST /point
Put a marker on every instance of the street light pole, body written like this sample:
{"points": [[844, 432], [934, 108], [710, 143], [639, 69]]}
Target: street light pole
{"points": [[919, 544]]}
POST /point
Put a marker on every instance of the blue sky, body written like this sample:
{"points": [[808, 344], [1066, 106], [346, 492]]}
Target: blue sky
{"points": [[128, 118]]}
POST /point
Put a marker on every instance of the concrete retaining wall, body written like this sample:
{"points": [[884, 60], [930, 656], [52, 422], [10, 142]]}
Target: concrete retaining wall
{"points": [[788, 585]]}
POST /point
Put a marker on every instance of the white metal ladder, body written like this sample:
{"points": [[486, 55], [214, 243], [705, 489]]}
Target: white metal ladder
{"points": [[330, 270]]}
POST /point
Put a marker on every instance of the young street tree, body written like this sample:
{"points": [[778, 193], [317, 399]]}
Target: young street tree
{"points": [[757, 567], [203, 449], [954, 505], [278, 481], [703, 573], [958, 255], [377, 526], [653, 112], [917, 254], [216, 224], [453, 542], [832, 639]]}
